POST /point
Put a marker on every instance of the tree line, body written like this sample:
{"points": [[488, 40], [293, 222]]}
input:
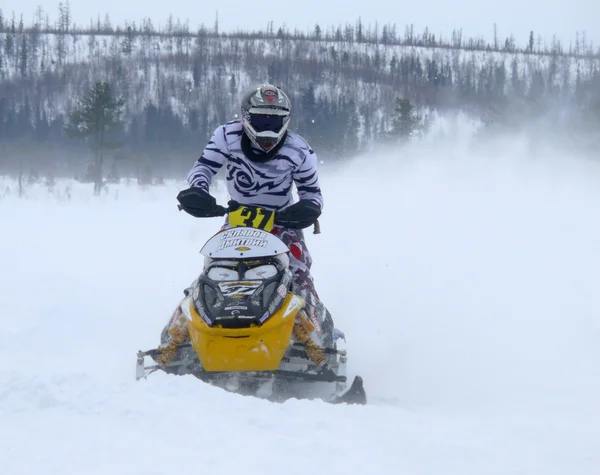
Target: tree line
{"points": [[351, 85]]}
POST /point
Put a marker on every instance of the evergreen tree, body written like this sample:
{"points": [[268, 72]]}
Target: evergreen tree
{"points": [[317, 32], [531, 42], [359, 31], [406, 120], [307, 106], [98, 118], [128, 41], [9, 45], [23, 57]]}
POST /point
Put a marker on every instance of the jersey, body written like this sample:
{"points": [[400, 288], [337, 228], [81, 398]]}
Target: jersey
{"points": [[267, 184]]}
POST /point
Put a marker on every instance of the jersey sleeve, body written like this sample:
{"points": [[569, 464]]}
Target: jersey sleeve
{"points": [[213, 157], [306, 178]]}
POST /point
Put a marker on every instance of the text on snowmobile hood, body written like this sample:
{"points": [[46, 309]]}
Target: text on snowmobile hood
{"points": [[243, 242]]}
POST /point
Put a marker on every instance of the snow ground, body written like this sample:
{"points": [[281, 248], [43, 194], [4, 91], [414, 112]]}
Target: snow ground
{"points": [[480, 357]]}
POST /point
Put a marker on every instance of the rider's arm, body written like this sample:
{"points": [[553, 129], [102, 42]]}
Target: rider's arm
{"points": [[213, 157], [306, 177]]}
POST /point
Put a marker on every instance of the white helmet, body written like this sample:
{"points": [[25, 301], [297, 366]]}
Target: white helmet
{"points": [[266, 116]]}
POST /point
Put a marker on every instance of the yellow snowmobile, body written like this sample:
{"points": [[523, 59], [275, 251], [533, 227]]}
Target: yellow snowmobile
{"points": [[245, 327]]}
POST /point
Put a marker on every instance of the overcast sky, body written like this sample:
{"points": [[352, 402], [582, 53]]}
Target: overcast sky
{"points": [[546, 17]]}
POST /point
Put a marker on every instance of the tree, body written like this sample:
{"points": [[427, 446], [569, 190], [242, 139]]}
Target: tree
{"points": [[531, 42], [406, 120], [495, 37], [233, 88], [9, 45], [23, 57], [359, 31], [128, 41], [64, 17], [98, 118]]}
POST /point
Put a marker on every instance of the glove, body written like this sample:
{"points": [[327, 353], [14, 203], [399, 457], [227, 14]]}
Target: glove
{"points": [[199, 203], [299, 216]]}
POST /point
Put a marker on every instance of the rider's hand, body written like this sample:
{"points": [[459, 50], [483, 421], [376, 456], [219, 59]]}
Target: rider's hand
{"points": [[199, 203], [299, 215]]}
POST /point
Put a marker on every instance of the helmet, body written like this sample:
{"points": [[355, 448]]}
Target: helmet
{"points": [[265, 116]]}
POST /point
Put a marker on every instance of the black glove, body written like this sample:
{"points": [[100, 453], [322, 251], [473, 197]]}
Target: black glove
{"points": [[199, 203], [299, 216]]}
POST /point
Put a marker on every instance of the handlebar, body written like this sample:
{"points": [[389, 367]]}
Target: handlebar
{"points": [[232, 205]]}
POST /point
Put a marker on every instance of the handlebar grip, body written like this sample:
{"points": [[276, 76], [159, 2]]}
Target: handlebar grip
{"points": [[219, 211]]}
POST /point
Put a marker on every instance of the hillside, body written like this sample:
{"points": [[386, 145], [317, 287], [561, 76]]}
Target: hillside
{"points": [[179, 84]]}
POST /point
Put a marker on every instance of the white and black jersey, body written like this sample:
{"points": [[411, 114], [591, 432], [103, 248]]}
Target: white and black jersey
{"points": [[259, 179]]}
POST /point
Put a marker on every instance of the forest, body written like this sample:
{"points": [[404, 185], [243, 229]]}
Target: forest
{"points": [[351, 85]]}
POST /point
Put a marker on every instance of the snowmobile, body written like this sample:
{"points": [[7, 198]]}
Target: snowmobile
{"points": [[249, 329]]}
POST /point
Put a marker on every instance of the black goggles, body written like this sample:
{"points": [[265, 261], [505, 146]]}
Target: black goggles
{"points": [[264, 123]]}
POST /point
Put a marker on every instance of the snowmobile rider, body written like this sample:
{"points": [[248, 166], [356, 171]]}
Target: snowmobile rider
{"points": [[263, 160]]}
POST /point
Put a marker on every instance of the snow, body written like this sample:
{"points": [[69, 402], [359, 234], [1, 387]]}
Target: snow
{"points": [[465, 282]]}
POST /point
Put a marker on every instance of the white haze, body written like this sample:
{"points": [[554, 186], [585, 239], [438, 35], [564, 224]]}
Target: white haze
{"points": [[481, 276], [464, 278]]}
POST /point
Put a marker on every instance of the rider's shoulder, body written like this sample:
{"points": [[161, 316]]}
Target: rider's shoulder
{"points": [[228, 133], [296, 140], [233, 127]]}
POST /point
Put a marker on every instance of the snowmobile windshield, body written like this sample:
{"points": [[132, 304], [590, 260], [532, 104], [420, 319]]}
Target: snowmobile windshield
{"points": [[266, 123]]}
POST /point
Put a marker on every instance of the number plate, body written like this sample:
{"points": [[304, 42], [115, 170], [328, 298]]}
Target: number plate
{"points": [[258, 218]]}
